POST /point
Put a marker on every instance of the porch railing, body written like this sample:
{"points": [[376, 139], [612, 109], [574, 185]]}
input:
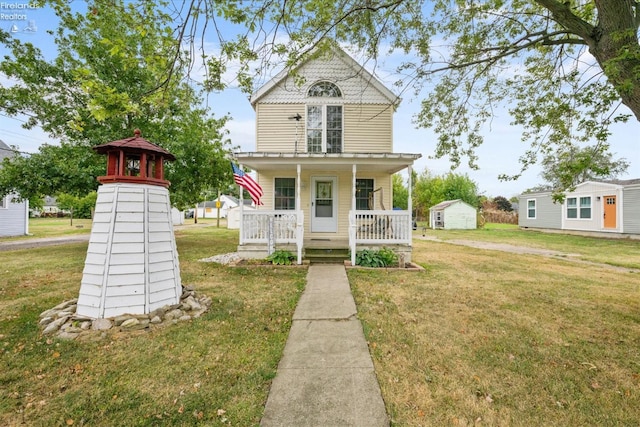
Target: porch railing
{"points": [[378, 227], [271, 226]]}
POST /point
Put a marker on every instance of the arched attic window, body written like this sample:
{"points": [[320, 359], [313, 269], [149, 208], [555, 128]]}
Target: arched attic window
{"points": [[324, 121], [324, 89]]}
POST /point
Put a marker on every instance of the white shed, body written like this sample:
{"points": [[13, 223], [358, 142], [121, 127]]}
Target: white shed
{"points": [[233, 216], [453, 215]]}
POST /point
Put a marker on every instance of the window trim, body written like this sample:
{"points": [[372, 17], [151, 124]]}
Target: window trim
{"points": [[373, 186], [535, 209], [589, 206], [292, 198], [324, 126], [323, 85]]}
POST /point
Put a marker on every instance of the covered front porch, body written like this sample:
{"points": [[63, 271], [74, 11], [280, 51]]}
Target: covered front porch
{"points": [[336, 202]]}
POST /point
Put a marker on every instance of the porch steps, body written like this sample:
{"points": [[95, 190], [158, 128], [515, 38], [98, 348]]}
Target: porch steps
{"points": [[326, 255]]}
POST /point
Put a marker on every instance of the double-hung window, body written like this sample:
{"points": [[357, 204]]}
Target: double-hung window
{"points": [[531, 208], [324, 119], [585, 207], [581, 211], [284, 194], [364, 188]]}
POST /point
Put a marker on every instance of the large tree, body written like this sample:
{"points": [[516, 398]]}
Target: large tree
{"points": [[561, 68], [430, 189], [118, 67], [575, 165]]}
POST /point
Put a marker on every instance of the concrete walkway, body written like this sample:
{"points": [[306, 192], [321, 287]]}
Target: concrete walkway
{"points": [[325, 377]]}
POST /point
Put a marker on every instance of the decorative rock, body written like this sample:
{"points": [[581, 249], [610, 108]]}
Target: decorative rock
{"points": [[45, 321], [174, 314], [62, 306], [118, 320], [68, 335], [54, 326], [192, 303], [65, 314], [101, 324], [134, 324], [70, 328], [129, 323], [63, 322]]}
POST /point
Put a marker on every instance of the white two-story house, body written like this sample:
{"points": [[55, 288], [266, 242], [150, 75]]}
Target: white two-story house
{"points": [[324, 159]]}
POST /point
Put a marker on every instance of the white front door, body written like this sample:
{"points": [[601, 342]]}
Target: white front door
{"points": [[324, 204]]}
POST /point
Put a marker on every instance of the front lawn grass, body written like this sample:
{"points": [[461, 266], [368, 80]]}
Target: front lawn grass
{"points": [[215, 370], [621, 252], [490, 338]]}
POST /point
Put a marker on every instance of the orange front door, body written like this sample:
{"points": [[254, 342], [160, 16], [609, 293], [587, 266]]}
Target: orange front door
{"points": [[610, 212]]}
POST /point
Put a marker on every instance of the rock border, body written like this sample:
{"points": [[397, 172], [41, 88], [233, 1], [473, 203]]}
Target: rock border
{"points": [[409, 266], [62, 321]]}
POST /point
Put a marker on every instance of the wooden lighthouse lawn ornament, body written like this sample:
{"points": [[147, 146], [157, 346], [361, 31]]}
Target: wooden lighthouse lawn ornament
{"points": [[132, 261]]}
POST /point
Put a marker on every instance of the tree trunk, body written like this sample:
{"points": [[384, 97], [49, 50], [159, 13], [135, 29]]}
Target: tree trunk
{"points": [[613, 42], [617, 50]]}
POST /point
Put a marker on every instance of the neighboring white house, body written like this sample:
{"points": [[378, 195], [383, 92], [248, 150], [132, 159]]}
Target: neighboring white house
{"points": [[324, 143], [209, 209], [453, 215], [594, 206], [14, 216]]}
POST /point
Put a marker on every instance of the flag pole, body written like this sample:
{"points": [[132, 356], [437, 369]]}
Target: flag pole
{"points": [[241, 210]]}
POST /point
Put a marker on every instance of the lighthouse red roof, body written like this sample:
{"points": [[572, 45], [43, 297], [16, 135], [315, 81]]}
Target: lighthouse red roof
{"points": [[135, 144]]}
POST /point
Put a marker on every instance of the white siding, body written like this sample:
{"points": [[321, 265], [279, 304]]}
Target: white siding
{"points": [[14, 218], [131, 254]]}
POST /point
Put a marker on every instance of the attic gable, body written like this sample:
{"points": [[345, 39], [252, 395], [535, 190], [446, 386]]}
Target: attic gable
{"points": [[356, 84]]}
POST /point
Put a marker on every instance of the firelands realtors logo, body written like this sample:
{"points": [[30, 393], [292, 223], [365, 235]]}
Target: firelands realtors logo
{"points": [[18, 13]]}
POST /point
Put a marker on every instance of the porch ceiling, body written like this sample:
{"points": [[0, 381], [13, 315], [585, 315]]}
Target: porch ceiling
{"points": [[365, 162]]}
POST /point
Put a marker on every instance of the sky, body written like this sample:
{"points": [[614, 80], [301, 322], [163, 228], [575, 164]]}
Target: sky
{"points": [[498, 155]]}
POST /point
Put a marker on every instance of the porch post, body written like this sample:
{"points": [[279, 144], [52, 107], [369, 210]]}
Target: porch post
{"points": [[410, 205], [352, 216], [299, 220]]}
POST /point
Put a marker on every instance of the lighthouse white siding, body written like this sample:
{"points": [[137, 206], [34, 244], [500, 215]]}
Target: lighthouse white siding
{"points": [[132, 260]]}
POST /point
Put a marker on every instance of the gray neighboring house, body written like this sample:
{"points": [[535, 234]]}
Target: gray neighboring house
{"points": [[594, 206], [14, 217]]}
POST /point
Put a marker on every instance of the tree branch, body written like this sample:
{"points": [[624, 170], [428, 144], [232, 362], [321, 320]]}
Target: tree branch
{"points": [[562, 14]]}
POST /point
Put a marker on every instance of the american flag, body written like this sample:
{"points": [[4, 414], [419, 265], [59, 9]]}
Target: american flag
{"points": [[248, 183]]}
